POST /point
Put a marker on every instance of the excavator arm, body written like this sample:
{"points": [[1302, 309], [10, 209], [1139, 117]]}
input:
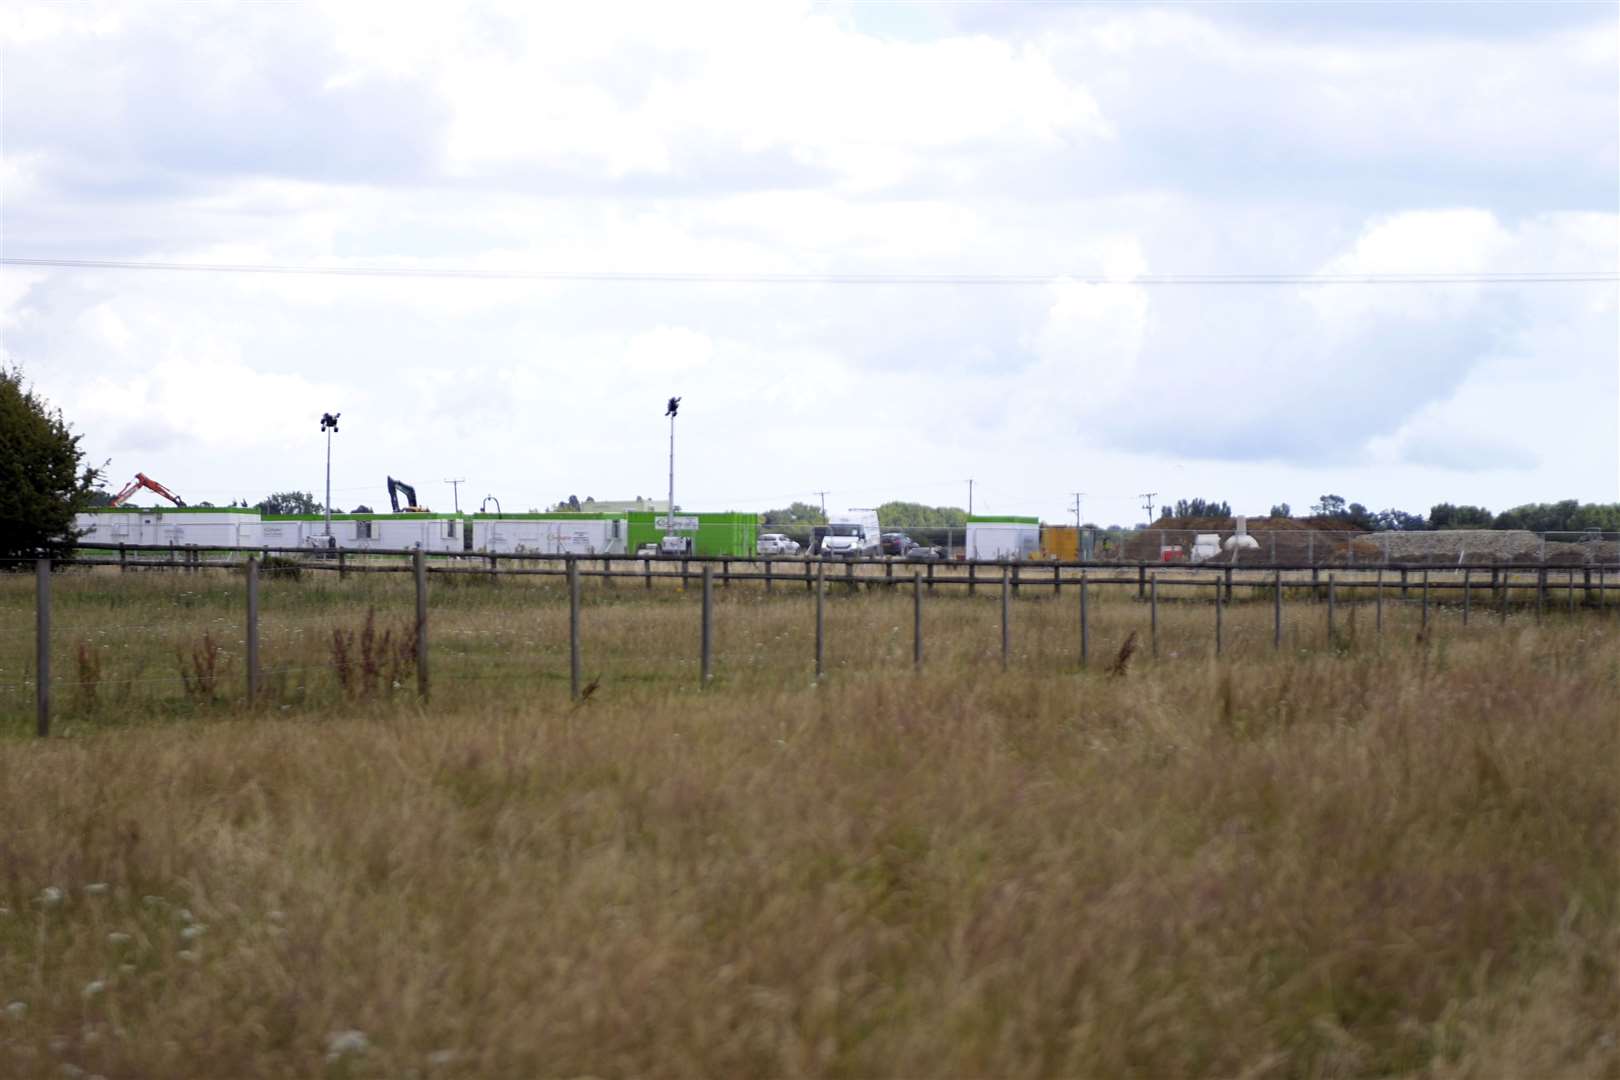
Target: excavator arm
{"points": [[143, 481], [396, 488]]}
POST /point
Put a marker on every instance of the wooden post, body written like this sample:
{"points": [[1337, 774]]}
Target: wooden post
{"points": [[821, 617], [972, 568], [708, 622], [1153, 616], [849, 574], [1057, 580], [646, 571], [916, 619], [1218, 617], [607, 573], [725, 573], [343, 564], [1541, 591], [1017, 572], [419, 565], [1403, 583], [1425, 599], [1378, 601], [685, 565], [888, 572], [494, 573], [42, 647], [809, 586], [1141, 581], [1229, 579], [1569, 579], [123, 559], [768, 570], [1467, 595], [1006, 614], [1276, 614], [930, 577], [573, 630], [252, 630], [1502, 597], [1316, 586], [1332, 597], [1085, 641]]}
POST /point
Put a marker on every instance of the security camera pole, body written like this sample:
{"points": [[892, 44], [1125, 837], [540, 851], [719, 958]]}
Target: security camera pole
{"points": [[329, 426], [674, 407]]}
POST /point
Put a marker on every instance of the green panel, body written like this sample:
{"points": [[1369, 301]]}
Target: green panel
{"points": [[729, 533]]}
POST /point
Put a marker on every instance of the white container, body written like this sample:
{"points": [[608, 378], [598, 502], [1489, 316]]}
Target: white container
{"points": [[1002, 540], [550, 536]]}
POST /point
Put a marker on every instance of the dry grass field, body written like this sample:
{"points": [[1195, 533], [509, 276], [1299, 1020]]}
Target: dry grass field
{"points": [[1377, 855]]}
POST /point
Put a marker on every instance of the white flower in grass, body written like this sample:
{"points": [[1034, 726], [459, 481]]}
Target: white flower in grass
{"points": [[96, 888], [50, 896], [193, 932], [343, 1043], [187, 955], [94, 987], [184, 915], [118, 937]]}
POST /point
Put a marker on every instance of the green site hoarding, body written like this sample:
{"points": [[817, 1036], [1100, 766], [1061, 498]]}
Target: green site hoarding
{"points": [[728, 533]]}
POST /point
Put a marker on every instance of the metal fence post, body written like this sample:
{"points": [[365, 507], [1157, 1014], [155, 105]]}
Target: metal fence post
{"points": [[42, 647], [419, 561], [573, 630], [708, 622], [916, 619], [252, 629], [1006, 613], [821, 619], [1153, 616]]}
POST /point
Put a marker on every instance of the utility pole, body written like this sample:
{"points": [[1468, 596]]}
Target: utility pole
{"points": [[455, 489], [1077, 497], [970, 497], [329, 426], [1147, 504], [823, 495]]}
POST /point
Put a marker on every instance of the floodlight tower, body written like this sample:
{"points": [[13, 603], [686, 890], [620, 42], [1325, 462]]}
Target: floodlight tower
{"points": [[329, 426], [674, 407]]}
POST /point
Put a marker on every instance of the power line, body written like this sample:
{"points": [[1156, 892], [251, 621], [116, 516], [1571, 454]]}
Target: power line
{"points": [[1548, 277]]}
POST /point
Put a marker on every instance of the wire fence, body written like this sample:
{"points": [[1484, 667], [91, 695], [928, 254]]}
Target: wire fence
{"points": [[1470, 592]]}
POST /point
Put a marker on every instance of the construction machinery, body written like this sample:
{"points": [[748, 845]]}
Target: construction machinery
{"points": [[396, 488], [143, 481]]}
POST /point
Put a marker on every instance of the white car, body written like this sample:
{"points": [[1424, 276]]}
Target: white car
{"points": [[776, 544]]}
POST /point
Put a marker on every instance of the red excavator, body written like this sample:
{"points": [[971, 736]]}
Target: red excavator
{"points": [[143, 481]]}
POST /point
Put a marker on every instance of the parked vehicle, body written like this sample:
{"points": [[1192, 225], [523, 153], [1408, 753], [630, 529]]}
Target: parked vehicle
{"points": [[920, 553], [776, 544], [852, 534], [673, 544], [896, 543]]}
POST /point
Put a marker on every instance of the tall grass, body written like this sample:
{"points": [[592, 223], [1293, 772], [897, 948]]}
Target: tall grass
{"points": [[1371, 856]]}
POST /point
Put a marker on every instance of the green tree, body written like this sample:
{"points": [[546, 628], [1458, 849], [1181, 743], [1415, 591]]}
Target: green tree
{"points": [[1282, 510], [910, 515], [1447, 516], [43, 482], [289, 502], [798, 513]]}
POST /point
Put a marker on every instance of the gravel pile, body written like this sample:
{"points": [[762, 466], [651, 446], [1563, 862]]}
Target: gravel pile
{"points": [[1481, 545]]}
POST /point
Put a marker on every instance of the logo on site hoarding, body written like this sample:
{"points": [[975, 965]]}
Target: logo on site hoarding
{"points": [[682, 524]]}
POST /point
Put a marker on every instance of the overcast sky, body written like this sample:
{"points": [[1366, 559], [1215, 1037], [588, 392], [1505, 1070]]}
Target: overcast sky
{"points": [[1082, 145]]}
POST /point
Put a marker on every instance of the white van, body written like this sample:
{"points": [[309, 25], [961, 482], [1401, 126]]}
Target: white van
{"points": [[852, 534]]}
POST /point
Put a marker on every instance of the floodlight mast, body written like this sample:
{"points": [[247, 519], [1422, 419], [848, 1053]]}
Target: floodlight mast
{"points": [[669, 522], [329, 423]]}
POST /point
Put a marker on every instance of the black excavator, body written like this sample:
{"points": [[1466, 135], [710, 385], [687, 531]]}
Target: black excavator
{"points": [[396, 488]]}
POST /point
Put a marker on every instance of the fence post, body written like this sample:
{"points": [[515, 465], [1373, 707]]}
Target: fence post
{"points": [[1141, 581], [1217, 616], [419, 565], [888, 573], [494, 573], [1153, 616], [123, 559], [1057, 579], [42, 647], [1403, 583], [1467, 594], [1332, 597], [1569, 578], [646, 571], [607, 573], [768, 572], [1502, 598], [252, 630], [1016, 574], [343, 565], [916, 619], [685, 566], [573, 629], [849, 575], [821, 620], [1541, 591], [1425, 599], [809, 586], [1276, 615], [1310, 557], [725, 573], [1316, 584], [1085, 640], [1006, 612], [1229, 579], [708, 622], [972, 573], [1378, 602], [930, 577]]}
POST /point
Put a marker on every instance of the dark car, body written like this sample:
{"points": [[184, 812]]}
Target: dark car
{"points": [[924, 554], [897, 543]]}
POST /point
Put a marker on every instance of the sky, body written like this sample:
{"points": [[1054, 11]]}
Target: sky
{"points": [[823, 165]]}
